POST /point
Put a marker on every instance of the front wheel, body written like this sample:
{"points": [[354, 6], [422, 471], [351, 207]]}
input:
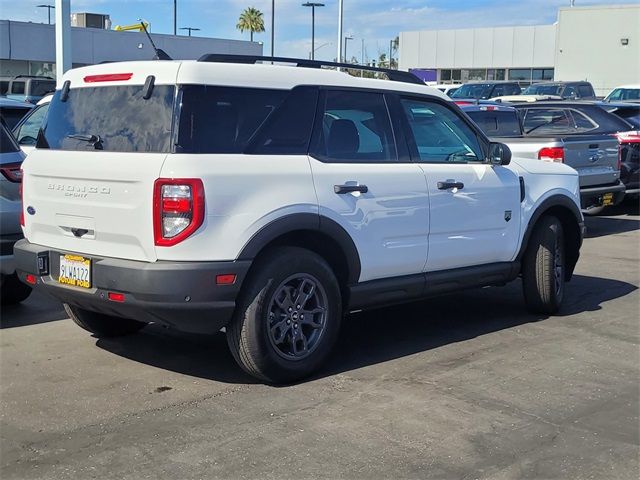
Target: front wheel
{"points": [[543, 267], [102, 325], [288, 316]]}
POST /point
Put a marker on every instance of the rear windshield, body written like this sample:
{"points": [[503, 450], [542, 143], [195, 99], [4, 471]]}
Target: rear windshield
{"points": [[497, 124], [115, 119], [474, 90]]}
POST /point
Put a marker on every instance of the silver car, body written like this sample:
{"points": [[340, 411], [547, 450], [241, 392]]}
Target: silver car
{"points": [[11, 289]]}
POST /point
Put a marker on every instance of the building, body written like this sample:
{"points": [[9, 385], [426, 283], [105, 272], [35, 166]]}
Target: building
{"points": [[29, 48], [600, 44]]}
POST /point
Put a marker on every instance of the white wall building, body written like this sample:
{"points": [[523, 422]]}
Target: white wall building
{"points": [[598, 43]]}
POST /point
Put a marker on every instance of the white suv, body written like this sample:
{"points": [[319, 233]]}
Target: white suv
{"points": [[272, 200]]}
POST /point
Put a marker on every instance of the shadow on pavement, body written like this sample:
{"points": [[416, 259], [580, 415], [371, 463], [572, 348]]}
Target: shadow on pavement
{"points": [[601, 226], [375, 336], [38, 308]]}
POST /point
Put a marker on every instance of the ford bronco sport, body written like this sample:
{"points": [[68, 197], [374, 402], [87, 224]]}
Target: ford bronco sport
{"points": [[272, 200]]}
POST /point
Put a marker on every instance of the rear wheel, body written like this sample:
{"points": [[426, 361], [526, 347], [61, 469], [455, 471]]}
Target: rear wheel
{"points": [[543, 267], [102, 325], [288, 316], [13, 290]]}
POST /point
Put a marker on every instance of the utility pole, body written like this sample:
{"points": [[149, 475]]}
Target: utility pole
{"points": [[273, 22], [63, 38], [340, 12], [348, 37], [175, 17], [362, 57]]}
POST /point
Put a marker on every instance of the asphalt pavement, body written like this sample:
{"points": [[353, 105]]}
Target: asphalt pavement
{"points": [[462, 386]]}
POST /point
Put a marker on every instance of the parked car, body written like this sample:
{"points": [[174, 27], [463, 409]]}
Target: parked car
{"points": [[525, 98], [30, 88], [486, 90], [12, 290], [272, 200], [629, 112], [624, 93], [630, 162], [12, 111], [566, 90], [26, 131], [447, 88], [576, 134]]}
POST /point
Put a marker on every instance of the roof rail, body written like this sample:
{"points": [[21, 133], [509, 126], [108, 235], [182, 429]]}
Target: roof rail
{"points": [[42, 77], [393, 75]]}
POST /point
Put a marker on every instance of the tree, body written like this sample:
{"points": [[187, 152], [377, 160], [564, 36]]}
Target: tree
{"points": [[251, 19]]}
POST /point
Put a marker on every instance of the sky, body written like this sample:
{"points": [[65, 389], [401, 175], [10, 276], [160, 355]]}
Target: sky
{"points": [[374, 21]]}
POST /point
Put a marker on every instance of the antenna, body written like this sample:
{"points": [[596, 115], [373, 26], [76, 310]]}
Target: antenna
{"points": [[160, 54]]}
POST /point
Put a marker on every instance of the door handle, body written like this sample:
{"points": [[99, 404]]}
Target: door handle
{"points": [[448, 185], [342, 189]]}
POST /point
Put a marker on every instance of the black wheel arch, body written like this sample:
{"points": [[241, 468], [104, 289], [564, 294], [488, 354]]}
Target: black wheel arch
{"points": [[314, 232], [569, 215]]}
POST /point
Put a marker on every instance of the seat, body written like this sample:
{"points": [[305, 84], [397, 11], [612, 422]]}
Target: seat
{"points": [[343, 138]]}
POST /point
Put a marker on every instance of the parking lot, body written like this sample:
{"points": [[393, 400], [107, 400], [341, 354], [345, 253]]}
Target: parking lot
{"points": [[465, 386]]}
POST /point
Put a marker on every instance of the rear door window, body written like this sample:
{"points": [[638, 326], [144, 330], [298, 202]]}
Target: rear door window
{"points": [[354, 127], [223, 119], [115, 118]]}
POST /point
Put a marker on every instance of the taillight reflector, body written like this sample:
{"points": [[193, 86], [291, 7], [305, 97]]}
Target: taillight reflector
{"points": [[116, 297], [226, 279], [551, 154], [31, 279], [178, 209], [108, 77]]}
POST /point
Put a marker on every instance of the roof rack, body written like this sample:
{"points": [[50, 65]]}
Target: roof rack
{"points": [[393, 75]]}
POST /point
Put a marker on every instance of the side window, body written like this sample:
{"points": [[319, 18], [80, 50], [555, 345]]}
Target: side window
{"points": [[512, 90], [27, 133], [498, 91], [582, 122], [354, 127], [439, 134], [569, 92], [17, 88], [585, 91], [546, 120]]}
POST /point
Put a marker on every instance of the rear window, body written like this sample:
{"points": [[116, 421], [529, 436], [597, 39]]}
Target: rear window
{"points": [[17, 87], [543, 90], [497, 124], [116, 119], [223, 119], [40, 88], [11, 116]]}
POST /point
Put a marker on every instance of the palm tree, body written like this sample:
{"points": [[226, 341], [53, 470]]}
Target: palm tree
{"points": [[251, 19]]}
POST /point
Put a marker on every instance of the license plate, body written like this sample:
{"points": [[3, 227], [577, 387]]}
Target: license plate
{"points": [[607, 199], [75, 271]]}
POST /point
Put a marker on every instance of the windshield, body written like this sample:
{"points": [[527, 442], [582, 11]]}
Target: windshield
{"points": [[116, 119], [624, 94], [474, 90], [542, 90]]}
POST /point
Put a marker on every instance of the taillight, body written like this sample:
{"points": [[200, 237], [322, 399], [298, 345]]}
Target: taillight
{"points": [[21, 190], [178, 209], [12, 172], [551, 154]]}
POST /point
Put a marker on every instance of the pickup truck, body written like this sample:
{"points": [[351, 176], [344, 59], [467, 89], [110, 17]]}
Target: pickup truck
{"points": [[578, 135]]}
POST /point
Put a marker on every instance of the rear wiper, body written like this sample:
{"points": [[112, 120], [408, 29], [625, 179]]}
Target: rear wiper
{"points": [[94, 140]]}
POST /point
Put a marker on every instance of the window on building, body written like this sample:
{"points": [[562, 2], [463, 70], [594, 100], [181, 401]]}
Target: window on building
{"points": [[520, 74], [478, 74], [456, 75], [445, 75], [500, 74]]}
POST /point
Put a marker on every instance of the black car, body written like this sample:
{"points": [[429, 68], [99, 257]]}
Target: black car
{"points": [[486, 90], [566, 90]]}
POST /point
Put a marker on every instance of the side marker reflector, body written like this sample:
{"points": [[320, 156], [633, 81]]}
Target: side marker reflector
{"points": [[226, 279]]}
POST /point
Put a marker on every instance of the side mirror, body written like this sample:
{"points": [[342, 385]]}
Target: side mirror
{"points": [[499, 154]]}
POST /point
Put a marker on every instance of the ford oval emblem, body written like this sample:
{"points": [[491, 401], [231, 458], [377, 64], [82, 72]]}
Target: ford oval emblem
{"points": [[31, 210]]}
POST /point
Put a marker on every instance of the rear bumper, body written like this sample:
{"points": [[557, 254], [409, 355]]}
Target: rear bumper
{"points": [[7, 264], [182, 295], [593, 196]]}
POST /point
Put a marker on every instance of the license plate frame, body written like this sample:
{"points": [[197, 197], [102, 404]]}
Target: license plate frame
{"points": [[607, 199], [75, 271]]}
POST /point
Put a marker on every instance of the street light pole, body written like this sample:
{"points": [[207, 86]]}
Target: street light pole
{"points": [[48, 7], [313, 6], [348, 37], [175, 17], [190, 29], [63, 38], [340, 10], [273, 21], [390, 52]]}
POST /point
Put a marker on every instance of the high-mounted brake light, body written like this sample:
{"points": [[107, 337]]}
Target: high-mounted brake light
{"points": [[178, 209], [12, 172], [108, 77], [552, 154]]}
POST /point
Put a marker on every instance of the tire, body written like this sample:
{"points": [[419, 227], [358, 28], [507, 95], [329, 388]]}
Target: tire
{"points": [[268, 335], [543, 267], [102, 325], [13, 290]]}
